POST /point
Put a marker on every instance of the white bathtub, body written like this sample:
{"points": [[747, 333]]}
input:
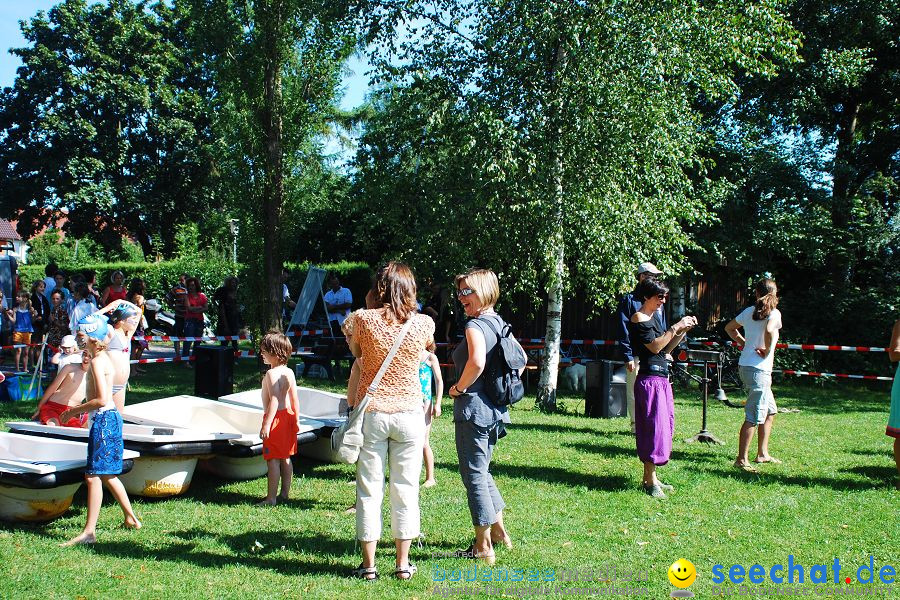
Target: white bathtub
{"points": [[241, 456], [168, 455], [39, 477], [327, 407]]}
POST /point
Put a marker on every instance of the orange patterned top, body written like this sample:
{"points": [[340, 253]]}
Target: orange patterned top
{"points": [[399, 390]]}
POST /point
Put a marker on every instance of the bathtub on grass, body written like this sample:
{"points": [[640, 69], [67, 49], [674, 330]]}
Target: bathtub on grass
{"points": [[39, 477], [239, 457], [327, 407], [168, 455]]}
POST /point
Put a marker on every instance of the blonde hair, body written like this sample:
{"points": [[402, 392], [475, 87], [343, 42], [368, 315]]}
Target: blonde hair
{"points": [[277, 345], [98, 345], [484, 283], [430, 345]]}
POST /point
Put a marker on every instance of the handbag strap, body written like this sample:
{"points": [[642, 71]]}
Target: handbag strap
{"points": [[384, 366]]}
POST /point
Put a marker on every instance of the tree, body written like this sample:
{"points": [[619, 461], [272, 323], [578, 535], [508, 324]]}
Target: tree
{"points": [[588, 141], [108, 118], [812, 158], [277, 64]]}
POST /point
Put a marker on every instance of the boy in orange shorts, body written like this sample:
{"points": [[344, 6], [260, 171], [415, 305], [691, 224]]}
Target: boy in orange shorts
{"points": [[279, 424], [66, 391]]}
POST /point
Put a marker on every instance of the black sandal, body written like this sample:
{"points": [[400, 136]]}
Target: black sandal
{"points": [[407, 573], [365, 573]]}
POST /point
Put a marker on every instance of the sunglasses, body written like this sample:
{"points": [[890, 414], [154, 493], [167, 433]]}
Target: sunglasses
{"points": [[465, 292], [662, 296]]}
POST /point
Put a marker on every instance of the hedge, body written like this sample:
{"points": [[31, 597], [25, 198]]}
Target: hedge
{"points": [[158, 276]]}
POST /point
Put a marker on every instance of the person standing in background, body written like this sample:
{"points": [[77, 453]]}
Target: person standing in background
{"points": [[760, 323], [338, 301], [629, 305]]}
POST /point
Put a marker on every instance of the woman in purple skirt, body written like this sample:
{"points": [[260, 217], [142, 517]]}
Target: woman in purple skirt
{"points": [[654, 409]]}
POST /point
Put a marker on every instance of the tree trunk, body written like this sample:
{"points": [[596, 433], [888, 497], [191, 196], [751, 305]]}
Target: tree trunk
{"points": [[270, 22], [839, 262], [546, 398]]}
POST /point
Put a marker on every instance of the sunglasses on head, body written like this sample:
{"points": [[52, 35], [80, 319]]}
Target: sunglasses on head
{"points": [[465, 292]]}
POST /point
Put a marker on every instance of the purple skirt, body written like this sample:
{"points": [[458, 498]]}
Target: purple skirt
{"points": [[654, 418]]}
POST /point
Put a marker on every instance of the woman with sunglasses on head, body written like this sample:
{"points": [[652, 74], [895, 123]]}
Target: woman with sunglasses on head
{"points": [[477, 421], [654, 405]]}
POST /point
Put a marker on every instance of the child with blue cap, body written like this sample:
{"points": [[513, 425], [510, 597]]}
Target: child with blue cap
{"points": [[105, 446]]}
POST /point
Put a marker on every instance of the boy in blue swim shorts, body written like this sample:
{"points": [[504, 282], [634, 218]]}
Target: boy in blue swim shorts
{"points": [[105, 446]]}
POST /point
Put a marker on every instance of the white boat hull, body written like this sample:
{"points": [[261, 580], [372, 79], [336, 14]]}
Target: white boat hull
{"points": [[230, 467], [160, 476], [25, 504]]}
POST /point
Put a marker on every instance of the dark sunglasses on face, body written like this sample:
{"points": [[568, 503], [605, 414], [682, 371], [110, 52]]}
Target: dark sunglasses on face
{"points": [[465, 292], [662, 296]]}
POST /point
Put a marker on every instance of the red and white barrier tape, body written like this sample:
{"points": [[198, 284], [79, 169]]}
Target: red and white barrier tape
{"points": [[812, 347], [175, 338], [836, 375]]}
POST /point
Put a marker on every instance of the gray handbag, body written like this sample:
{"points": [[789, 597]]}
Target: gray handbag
{"points": [[347, 439]]}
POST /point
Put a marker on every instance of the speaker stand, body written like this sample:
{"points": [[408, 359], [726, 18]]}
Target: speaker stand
{"points": [[704, 435]]}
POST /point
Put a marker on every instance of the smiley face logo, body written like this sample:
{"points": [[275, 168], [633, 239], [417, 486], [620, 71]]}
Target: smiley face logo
{"points": [[682, 573]]}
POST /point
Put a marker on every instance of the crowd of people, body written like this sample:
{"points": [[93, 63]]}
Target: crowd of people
{"points": [[43, 314]]}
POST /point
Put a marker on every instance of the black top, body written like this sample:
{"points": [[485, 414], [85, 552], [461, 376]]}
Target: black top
{"points": [[475, 405], [642, 334]]}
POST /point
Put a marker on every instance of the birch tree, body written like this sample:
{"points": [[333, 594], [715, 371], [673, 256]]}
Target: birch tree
{"points": [[588, 143]]}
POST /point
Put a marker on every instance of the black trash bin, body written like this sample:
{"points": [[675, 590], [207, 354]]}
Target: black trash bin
{"points": [[605, 389], [213, 371]]}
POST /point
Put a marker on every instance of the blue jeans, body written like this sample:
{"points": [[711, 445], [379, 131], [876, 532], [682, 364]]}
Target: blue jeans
{"points": [[192, 328]]}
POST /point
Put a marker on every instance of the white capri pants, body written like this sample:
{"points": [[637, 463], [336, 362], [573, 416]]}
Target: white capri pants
{"points": [[391, 441]]}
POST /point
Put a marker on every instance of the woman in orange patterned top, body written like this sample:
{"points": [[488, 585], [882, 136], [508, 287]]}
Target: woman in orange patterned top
{"points": [[394, 426]]}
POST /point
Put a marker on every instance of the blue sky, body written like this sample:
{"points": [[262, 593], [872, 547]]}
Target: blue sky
{"points": [[13, 11]]}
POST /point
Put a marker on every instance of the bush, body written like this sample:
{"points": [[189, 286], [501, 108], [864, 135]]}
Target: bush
{"points": [[158, 276]]}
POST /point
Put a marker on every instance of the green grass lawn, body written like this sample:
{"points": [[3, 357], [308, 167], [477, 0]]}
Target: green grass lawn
{"points": [[572, 488]]}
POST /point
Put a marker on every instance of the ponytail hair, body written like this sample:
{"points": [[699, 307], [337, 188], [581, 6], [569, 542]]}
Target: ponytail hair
{"points": [[766, 299]]}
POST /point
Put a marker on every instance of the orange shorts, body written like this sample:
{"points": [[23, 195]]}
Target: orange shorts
{"points": [[282, 440], [21, 337], [52, 410]]}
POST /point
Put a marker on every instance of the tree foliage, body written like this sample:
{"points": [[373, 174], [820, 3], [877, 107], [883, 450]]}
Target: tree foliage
{"points": [[585, 137], [108, 118], [813, 159]]}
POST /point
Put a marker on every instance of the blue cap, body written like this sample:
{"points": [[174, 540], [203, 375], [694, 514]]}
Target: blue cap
{"points": [[124, 311], [95, 326]]}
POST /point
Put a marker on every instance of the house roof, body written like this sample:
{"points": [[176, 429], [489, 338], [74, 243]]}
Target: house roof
{"points": [[8, 231]]}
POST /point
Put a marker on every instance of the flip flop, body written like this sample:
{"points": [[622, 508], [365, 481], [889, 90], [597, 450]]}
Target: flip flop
{"points": [[771, 459]]}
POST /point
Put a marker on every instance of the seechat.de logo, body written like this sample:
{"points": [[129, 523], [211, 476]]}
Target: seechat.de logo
{"points": [[794, 572]]}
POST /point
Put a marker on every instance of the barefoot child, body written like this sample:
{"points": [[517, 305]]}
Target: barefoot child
{"points": [[67, 391], [279, 424], [760, 323], [430, 368], [105, 447], [23, 327]]}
